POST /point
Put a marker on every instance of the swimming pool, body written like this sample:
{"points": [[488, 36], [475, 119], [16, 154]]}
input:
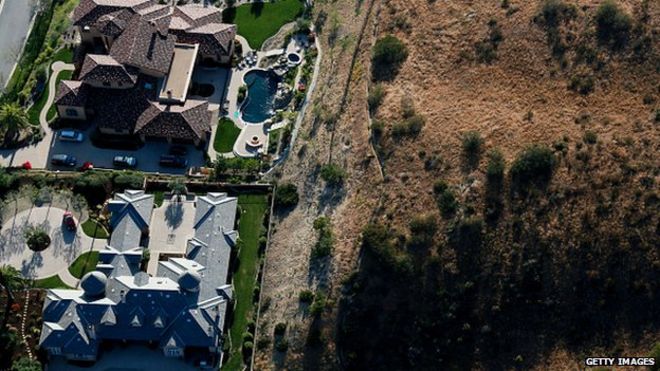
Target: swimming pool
{"points": [[262, 86]]}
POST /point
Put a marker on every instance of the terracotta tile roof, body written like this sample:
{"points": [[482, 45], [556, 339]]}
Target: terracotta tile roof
{"points": [[113, 24], [197, 14], [190, 121], [213, 39], [144, 45], [120, 108], [89, 11], [104, 68], [71, 93]]}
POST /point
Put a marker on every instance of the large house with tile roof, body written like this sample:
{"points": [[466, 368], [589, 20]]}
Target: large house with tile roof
{"points": [[181, 309], [136, 80]]}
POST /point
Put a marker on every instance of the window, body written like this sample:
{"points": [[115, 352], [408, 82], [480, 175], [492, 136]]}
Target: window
{"points": [[71, 112]]}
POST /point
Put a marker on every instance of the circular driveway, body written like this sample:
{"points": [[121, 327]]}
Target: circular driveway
{"points": [[64, 248]]}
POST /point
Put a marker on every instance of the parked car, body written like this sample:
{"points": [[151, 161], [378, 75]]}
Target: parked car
{"points": [[87, 166], [68, 221], [178, 151], [173, 161], [127, 162], [71, 136], [62, 159]]}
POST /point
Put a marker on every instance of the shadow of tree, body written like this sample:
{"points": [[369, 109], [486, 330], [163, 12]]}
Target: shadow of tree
{"points": [[174, 214], [256, 8]]}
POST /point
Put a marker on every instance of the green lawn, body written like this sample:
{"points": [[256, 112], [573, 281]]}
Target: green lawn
{"points": [[90, 228], [259, 21], [84, 263], [253, 208], [52, 282], [225, 136]]}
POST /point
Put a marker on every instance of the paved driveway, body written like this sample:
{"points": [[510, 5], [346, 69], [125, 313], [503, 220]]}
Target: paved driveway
{"points": [[15, 21], [65, 245], [148, 156]]}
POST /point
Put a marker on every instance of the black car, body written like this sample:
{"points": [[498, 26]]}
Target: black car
{"points": [[173, 161], [178, 151], [62, 159]]}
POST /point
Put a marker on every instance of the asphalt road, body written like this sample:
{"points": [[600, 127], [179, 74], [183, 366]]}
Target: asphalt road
{"points": [[15, 19]]}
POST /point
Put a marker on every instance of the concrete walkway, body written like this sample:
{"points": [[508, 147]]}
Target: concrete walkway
{"points": [[37, 153]]}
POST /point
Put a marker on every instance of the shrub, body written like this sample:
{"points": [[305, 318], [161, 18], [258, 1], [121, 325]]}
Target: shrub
{"points": [[472, 143], [282, 345], [590, 137], [485, 52], [422, 230], [306, 296], [248, 346], [247, 336], [242, 92], [129, 180], [447, 202], [280, 329], [333, 174], [496, 165], [533, 165], [613, 25], [318, 305], [410, 127], [286, 195], [263, 343], [407, 107], [36, 239], [325, 243], [375, 98], [389, 53], [582, 84]]}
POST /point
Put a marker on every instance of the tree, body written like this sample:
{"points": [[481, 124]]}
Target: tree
{"points": [[13, 118], [177, 187], [10, 280], [389, 53]]}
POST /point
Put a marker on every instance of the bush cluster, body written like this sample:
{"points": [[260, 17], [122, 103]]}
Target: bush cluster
{"points": [[613, 25], [286, 195], [389, 53], [333, 174], [445, 198], [533, 165], [325, 243]]}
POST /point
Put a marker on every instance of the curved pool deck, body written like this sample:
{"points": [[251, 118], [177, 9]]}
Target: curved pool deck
{"points": [[258, 104]]}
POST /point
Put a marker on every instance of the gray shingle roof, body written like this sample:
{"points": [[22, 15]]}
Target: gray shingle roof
{"points": [[183, 306]]}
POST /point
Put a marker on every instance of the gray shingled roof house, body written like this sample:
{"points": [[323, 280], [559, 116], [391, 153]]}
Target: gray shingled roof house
{"points": [[150, 51], [181, 309]]}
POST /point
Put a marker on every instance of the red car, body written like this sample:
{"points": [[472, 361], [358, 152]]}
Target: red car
{"points": [[68, 221], [87, 166]]}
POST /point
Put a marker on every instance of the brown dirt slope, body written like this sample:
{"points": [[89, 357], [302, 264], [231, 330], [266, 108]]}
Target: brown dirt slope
{"points": [[521, 98]]}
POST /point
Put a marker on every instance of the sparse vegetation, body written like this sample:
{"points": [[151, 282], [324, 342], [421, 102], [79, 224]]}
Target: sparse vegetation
{"points": [[445, 198], [376, 95], [324, 244]]}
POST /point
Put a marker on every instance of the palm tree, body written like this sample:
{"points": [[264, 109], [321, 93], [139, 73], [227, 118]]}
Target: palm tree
{"points": [[10, 280], [13, 118]]}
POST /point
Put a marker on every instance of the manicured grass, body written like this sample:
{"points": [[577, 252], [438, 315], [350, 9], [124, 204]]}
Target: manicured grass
{"points": [[259, 21], [84, 263], [52, 282], [253, 209], [35, 110], [159, 196], [225, 136], [90, 228]]}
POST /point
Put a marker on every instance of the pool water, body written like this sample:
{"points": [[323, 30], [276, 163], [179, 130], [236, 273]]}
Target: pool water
{"points": [[262, 86]]}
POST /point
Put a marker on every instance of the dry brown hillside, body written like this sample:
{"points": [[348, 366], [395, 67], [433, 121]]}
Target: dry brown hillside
{"points": [[527, 277]]}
